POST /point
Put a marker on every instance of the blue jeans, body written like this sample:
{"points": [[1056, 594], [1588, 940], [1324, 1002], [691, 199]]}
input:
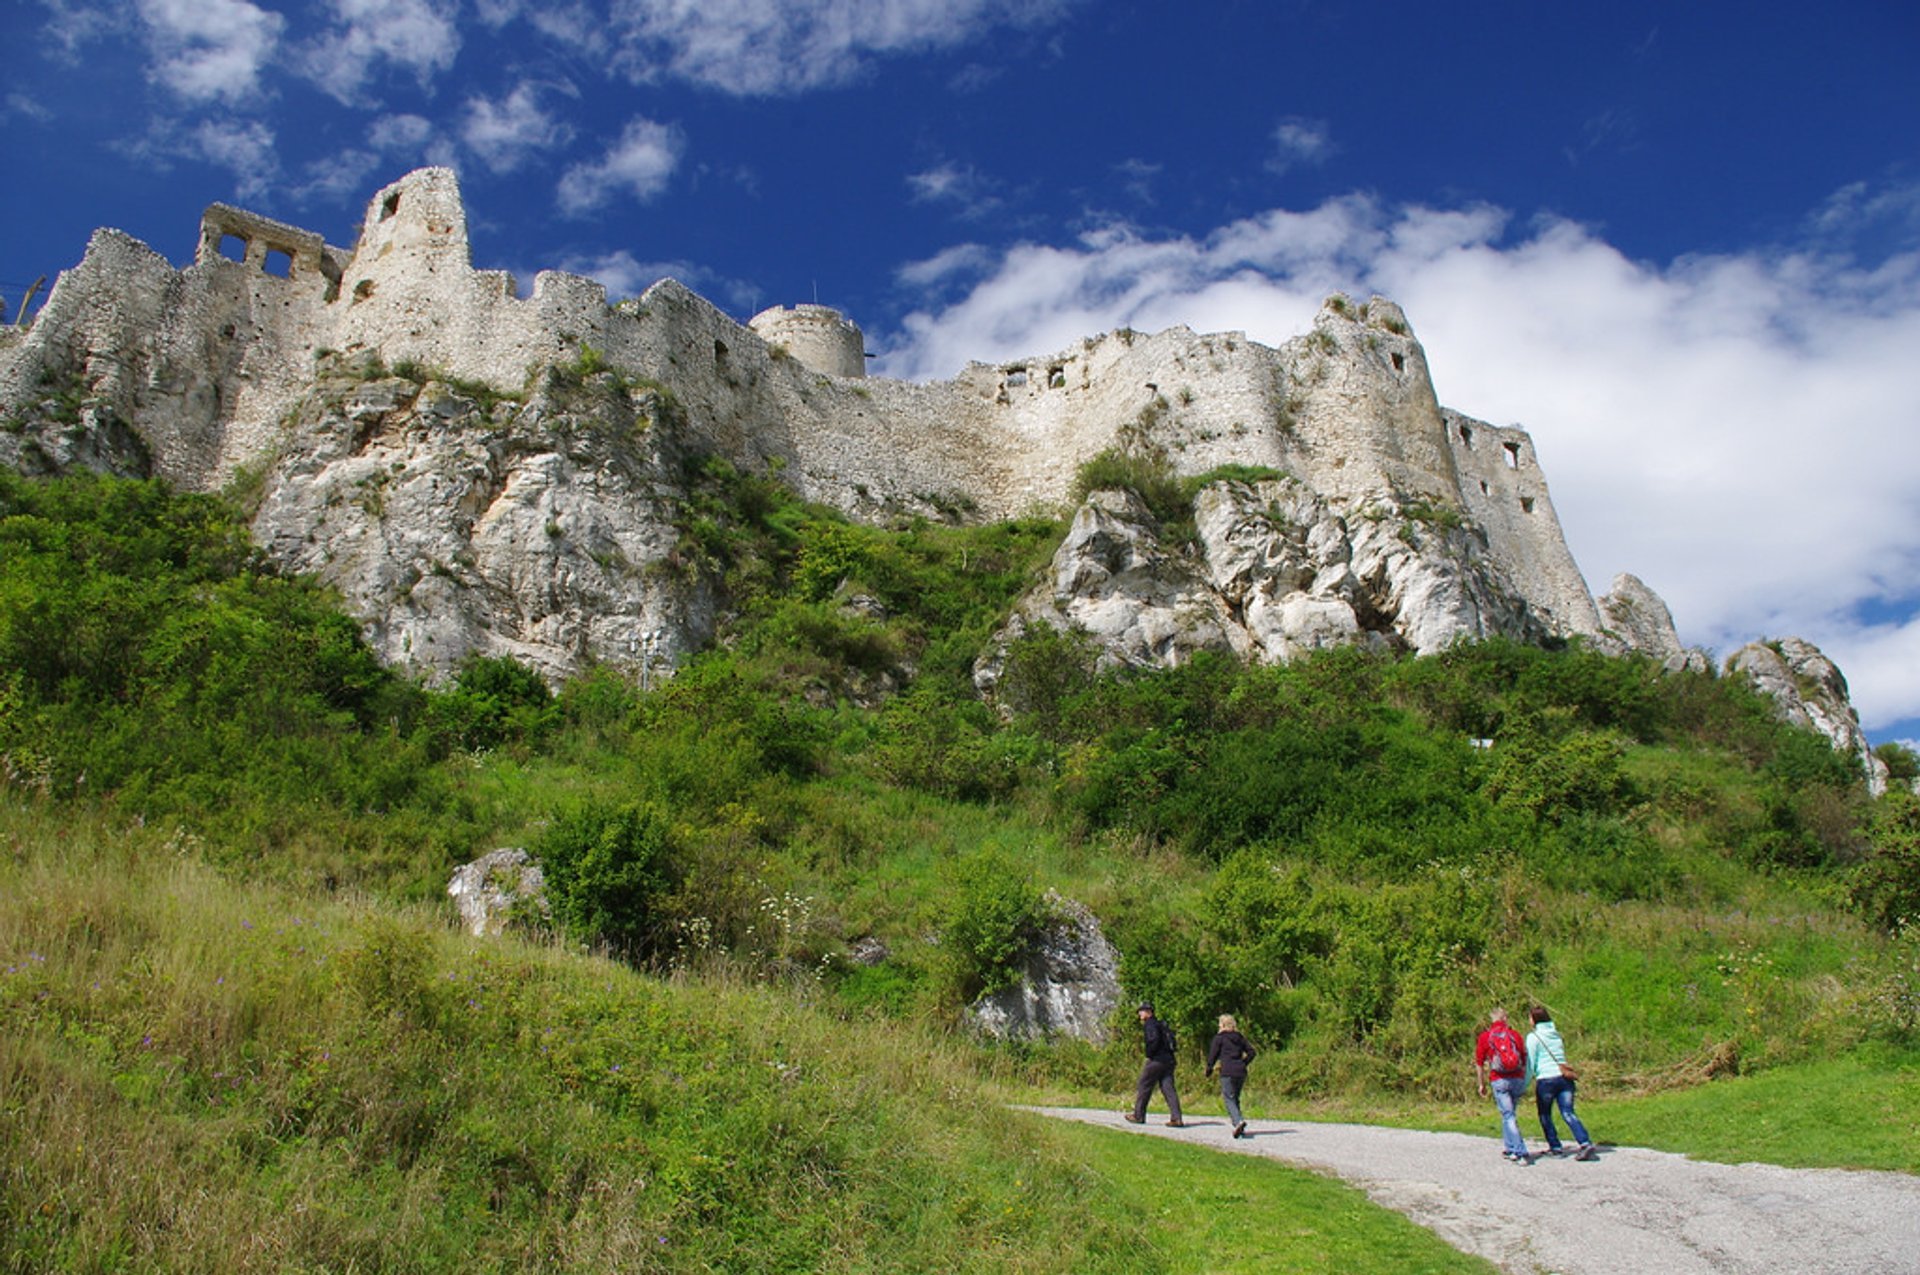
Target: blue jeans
{"points": [[1230, 1095], [1548, 1092], [1505, 1094]]}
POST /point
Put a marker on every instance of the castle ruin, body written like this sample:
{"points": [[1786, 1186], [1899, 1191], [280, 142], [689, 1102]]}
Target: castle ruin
{"points": [[205, 362]]}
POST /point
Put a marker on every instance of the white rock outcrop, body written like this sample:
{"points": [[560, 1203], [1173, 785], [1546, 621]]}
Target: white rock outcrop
{"points": [[1274, 572], [1069, 987], [1808, 690], [498, 888]]}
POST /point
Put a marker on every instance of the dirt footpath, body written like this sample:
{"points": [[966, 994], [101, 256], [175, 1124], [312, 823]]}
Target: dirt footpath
{"points": [[1627, 1213]]}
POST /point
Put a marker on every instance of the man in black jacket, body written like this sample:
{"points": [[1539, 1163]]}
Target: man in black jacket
{"points": [[1158, 1073]]}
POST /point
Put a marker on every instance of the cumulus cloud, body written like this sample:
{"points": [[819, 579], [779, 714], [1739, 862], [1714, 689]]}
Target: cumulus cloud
{"points": [[503, 133], [752, 47], [210, 50], [1735, 429], [638, 164], [418, 35]]}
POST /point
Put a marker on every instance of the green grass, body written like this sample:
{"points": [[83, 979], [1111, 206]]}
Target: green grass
{"points": [[1857, 1112], [1861, 1111], [201, 1075], [1220, 1214]]}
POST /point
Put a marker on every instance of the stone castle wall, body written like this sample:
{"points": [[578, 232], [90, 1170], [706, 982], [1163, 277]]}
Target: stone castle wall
{"points": [[208, 361]]}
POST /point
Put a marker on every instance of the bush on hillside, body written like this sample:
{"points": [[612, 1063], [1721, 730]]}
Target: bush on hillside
{"points": [[993, 919], [1885, 885], [607, 867]]}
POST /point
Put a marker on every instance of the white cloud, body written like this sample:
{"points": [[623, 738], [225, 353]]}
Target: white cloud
{"points": [[1298, 141], [26, 108], [626, 276], [72, 24], [399, 134], [418, 35], [959, 261], [343, 177], [970, 192], [1737, 430], [504, 133], [784, 46], [638, 164], [210, 50], [246, 149]]}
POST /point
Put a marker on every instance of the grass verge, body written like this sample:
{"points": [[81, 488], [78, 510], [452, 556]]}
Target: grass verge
{"points": [[1238, 1215]]}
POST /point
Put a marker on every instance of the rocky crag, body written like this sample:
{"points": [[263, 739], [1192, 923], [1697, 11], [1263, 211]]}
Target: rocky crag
{"points": [[479, 472]]}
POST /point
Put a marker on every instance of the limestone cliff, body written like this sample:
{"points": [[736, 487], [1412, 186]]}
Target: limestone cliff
{"points": [[514, 491]]}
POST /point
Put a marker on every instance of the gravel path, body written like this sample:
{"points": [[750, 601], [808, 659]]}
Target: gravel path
{"points": [[1629, 1212]]}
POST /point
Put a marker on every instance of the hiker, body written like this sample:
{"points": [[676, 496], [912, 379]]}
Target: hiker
{"points": [[1553, 1084], [1500, 1063], [1157, 1040], [1231, 1053]]}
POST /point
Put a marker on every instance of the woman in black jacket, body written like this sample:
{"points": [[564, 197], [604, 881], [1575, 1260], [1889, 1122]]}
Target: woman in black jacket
{"points": [[1231, 1053]]}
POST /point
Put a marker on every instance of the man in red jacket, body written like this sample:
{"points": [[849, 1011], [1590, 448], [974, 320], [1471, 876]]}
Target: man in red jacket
{"points": [[1500, 1063]]}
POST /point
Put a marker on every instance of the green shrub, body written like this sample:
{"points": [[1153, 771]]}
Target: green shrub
{"points": [[607, 868], [992, 921], [494, 700], [1885, 884]]}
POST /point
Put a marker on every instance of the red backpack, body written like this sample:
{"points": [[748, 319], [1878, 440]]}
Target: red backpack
{"points": [[1504, 1049]]}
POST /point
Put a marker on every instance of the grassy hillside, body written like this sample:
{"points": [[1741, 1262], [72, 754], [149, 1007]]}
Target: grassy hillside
{"points": [[1699, 892], [200, 1075]]}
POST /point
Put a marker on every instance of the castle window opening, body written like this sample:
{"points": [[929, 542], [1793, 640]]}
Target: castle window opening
{"points": [[1526, 504], [390, 205], [1056, 378], [1513, 455], [1466, 435], [719, 352], [362, 290], [278, 263], [233, 247], [1016, 377], [1484, 489], [1399, 362]]}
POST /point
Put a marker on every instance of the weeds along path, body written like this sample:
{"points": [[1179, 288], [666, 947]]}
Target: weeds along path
{"points": [[1629, 1212]]}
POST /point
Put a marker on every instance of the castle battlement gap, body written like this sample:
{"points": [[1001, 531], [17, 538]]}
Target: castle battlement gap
{"points": [[204, 364]]}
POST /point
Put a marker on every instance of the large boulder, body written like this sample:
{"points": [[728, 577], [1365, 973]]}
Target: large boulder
{"points": [[498, 889], [1070, 986]]}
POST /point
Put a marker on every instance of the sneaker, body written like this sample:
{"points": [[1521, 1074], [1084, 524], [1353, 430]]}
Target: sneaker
{"points": [[1240, 1130], [1587, 1151], [1176, 1123], [1133, 1119]]}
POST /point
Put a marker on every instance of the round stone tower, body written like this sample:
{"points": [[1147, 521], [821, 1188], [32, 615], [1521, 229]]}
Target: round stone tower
{"points": [[820, 337]]}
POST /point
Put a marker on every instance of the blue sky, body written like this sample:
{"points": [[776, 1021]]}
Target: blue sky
{"points": [[1679, 243]]}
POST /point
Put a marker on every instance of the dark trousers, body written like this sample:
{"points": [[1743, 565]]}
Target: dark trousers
{"points": [[1155, 1075]]}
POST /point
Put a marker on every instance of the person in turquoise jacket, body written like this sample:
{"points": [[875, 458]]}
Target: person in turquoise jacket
{"points": [[1553, 1084]]}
